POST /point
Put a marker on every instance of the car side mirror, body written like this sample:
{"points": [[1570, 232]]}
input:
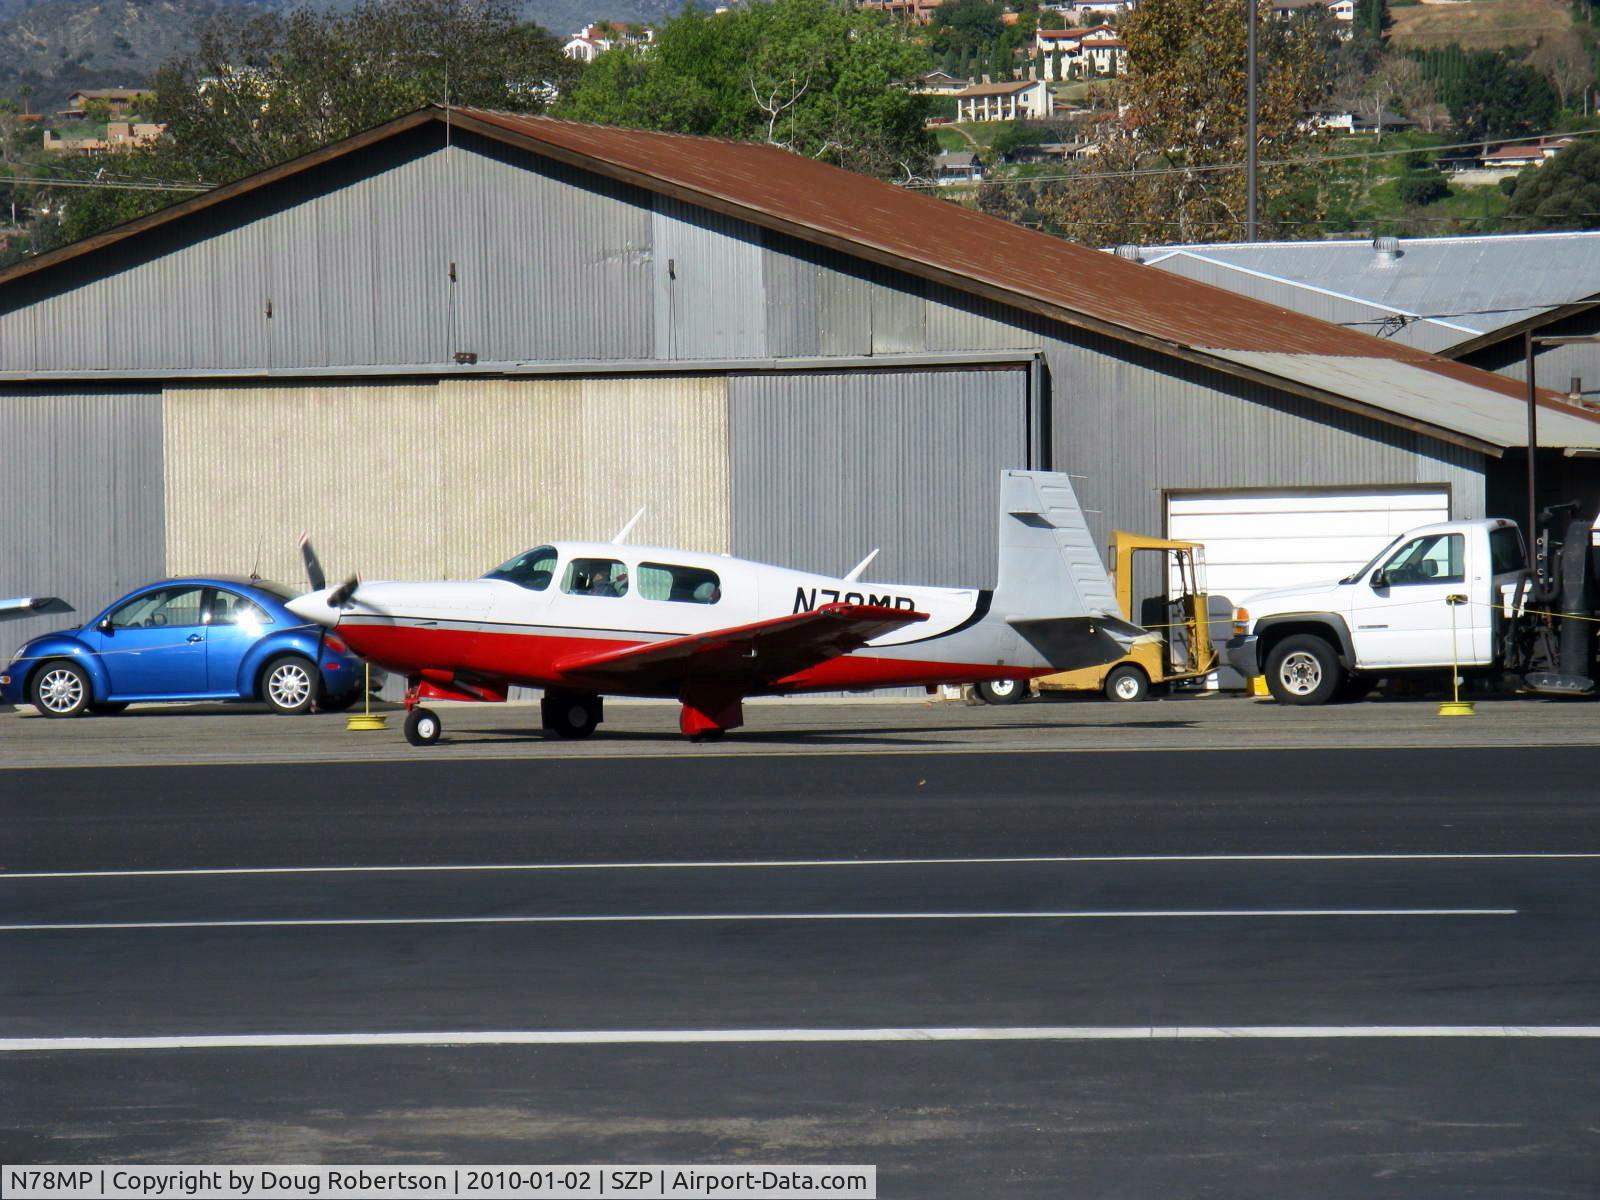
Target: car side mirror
{"points": [[104, 625], [1380, 578]]}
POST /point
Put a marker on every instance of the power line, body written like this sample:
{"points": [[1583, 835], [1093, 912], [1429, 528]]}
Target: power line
{"points": [[1312, 160], [142, 186]]}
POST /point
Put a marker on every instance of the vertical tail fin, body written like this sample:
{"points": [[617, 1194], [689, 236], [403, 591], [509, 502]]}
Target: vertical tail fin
{"points": [[1049, 566]]}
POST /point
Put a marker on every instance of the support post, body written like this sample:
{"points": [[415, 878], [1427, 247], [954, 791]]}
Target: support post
{"points": [[1250, 122], [1533, 444]]}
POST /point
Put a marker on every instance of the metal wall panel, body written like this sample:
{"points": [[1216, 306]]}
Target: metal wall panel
{"points": [[708, 291], [1131, 424], [82, 499], [446, 480], [828, 466], [551, 263], [790, 280]]}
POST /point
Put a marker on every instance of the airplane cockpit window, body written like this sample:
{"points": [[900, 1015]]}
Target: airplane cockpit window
{"points": [[532, 570], [595, 577], [686, 585]]}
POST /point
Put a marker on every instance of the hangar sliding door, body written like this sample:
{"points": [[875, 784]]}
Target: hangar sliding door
{"points": [[425, 480], [1257, 539], [826, 466]]}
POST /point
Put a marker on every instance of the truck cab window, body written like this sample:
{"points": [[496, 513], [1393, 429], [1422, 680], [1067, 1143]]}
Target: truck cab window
{"points": [[595, 577], [1435, 558], [532, 570], [1506, 553], [683, 585]]}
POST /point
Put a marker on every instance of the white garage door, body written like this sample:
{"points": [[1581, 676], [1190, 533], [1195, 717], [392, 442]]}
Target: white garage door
{"points": [[1257, 540]]}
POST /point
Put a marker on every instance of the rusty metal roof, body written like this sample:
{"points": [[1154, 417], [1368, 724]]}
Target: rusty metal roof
{"points": [[946, 243]]}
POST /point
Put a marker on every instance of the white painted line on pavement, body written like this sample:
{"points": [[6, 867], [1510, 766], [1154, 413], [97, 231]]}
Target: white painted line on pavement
{"points": [[696, 1037], [670, 918], [772, 863]]}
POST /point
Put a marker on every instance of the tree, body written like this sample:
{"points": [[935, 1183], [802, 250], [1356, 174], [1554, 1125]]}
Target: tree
{"points": [[259, 92], [1418, 188], [1181, 117], [969, 24], [1563, 193], [1488, 93], [1563, 60], [806, 75]]}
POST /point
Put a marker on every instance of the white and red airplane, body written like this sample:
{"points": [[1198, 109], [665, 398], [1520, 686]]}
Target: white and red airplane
{"points": [[587, 619]]}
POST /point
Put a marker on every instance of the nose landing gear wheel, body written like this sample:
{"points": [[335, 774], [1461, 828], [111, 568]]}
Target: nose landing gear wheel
{"points": [[423, 727]]}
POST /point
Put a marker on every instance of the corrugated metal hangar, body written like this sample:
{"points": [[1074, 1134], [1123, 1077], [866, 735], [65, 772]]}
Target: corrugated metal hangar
{"points": [[461, 333]]}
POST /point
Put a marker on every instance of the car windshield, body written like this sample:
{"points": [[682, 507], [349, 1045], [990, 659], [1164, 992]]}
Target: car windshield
{"points": [[1371, 562]]}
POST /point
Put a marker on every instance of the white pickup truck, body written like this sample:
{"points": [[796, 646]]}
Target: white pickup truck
{"points": [[1324, 642]]}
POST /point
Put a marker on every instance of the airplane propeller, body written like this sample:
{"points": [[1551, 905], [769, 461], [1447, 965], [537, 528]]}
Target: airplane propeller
{"points": [[340, 596], [318, 579], [314, 575]]}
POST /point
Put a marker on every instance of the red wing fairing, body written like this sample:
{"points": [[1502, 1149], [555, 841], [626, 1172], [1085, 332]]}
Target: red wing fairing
{"points": [[745, 657], [712, 672]]}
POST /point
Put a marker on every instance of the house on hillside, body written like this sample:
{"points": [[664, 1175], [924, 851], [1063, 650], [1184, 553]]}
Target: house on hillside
{"points": [[596, 38], [117, 100], [1027, 99], [119, 136]]}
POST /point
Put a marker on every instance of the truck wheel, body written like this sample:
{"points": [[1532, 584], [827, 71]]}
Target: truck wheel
{"points": [[1002, 691], [1303, 669], [1127, 683]]}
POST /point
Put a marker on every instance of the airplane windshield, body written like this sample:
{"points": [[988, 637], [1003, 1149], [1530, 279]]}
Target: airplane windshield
{"points": [[532, 570]]}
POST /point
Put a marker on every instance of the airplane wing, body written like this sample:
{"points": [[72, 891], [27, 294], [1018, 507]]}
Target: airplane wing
{"points": [[32, 606], [743, 655]]}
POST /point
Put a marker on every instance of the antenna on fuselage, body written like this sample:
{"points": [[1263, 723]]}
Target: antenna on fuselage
{"points": [[855, 572], [622, 534]]}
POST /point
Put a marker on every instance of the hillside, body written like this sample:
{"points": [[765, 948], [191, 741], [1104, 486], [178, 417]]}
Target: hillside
{"points": [[1477, 24], [56, 46]]}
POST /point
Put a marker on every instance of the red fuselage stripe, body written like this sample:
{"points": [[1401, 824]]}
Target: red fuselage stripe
{"points": [[529, 659]]}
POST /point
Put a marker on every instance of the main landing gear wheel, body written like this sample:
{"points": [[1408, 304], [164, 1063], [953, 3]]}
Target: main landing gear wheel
{"points": [[571, 714], [423, 727], [1002, 691]]}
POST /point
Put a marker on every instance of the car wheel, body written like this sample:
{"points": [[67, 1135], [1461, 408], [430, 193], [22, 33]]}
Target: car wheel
{"points": [[1303, 669], [1002, 691], [288, 684], [423, 727], [1127, 683], [107, 708], [61, 689]]}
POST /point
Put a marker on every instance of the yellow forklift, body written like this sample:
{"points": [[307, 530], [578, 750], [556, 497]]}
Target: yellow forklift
{"points": [[1182, 647]]}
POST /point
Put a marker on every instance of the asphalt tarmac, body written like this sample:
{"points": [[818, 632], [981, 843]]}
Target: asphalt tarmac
{"points": [[1025, 970]]}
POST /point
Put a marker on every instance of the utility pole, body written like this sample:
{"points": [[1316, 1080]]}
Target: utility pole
{"points": [[1250, 122]]}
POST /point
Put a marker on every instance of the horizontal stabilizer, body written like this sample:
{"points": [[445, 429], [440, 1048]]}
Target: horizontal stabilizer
{"points": [[1068, 643], [32, 606]]}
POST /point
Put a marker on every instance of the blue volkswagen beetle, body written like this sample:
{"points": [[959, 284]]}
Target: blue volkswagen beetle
{"points": [[216, 638]]}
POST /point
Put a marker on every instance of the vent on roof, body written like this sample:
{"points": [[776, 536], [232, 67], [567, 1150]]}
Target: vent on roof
{"points": [[1387, 249], [1131, 253]]}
